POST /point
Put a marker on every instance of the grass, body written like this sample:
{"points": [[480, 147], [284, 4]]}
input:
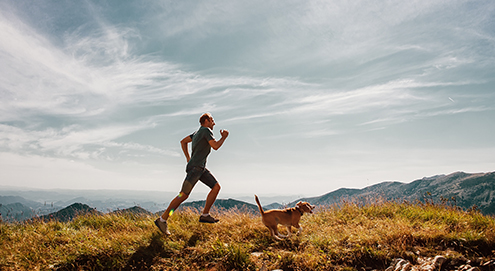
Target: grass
{"points": [[347, 236]]}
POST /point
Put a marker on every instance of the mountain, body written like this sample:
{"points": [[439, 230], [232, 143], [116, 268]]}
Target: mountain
{"points": [[462, 189], [103, 200], [15, 212], [70, 213], [17, 199], [136, 210], [16, 208], [465, 190], [274, 205], [225, 204]]}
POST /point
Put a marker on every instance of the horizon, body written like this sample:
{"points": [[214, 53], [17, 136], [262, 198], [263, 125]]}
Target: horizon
{"points": [[168, 195], [46, 201], [317, 96]]}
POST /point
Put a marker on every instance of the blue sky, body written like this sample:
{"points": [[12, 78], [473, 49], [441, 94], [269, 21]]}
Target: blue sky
{"points": [[317, 95]]}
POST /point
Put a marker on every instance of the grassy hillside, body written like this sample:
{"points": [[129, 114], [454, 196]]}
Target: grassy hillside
{"points": [[464, 189], [344, 237]]}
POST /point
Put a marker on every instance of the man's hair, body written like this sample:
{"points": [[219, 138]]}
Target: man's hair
{"points": [[204, 117]]}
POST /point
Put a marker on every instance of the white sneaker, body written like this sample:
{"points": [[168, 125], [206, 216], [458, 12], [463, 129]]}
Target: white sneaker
{"points": [[162, 226]]}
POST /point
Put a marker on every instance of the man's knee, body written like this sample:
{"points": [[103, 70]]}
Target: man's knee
{"points": [[217, 187], [182, 196]]}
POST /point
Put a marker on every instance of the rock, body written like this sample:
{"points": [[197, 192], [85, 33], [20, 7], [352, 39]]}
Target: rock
{"points": [[438, 261], [424, 264], [465, 267], [400, 265], [256, 254]]}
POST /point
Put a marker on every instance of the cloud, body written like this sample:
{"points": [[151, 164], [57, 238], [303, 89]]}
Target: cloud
{"points": [[116, 84], [55, 173], [72, 141], [95, 77], [378, 97], [98, 70], [91, 75], [139, 147]]}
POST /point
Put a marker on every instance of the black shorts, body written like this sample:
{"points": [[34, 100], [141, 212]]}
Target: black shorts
{"points": [[195, 174]]}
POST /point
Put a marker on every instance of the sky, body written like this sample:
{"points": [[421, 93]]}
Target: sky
{"points": [[316, 95]]}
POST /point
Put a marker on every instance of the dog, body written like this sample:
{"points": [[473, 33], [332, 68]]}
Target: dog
{"points": [[288, 217]]}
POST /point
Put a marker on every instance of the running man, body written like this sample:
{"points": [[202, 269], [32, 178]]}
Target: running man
{"points": [[202, 143]]}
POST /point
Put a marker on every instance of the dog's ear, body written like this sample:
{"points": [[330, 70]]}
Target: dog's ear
{"points": [[309, 206]]}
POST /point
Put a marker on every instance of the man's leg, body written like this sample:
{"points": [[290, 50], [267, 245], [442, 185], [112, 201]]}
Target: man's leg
{"points": [[161, 222], [187, 186], [174, 204], [210, 199]]}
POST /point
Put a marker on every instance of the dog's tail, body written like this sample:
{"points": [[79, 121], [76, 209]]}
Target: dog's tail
{"points": [[259, 204]]}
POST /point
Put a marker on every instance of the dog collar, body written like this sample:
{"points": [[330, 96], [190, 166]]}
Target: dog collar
{"points": [[297, 208]]}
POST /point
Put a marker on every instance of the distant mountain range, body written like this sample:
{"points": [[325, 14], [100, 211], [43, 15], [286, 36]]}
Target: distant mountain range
{"points": [[136, 210], [70, 212], [461, 189], [223, 204], [15, 208]]}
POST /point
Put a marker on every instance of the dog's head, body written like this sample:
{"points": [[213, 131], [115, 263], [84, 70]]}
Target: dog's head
{"points": [[305, 207]]}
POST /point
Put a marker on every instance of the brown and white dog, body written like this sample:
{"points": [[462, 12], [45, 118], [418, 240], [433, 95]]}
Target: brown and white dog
{"points": [[288, 217]]}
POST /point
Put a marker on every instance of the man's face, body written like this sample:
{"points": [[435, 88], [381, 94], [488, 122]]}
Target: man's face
{"points": [[210, 123]]}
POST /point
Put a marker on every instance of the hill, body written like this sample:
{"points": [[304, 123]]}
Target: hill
{"points": [[70, 212], [136, 210], [16, 208], [17, 199], [223, 204], [461, 189], [15, 212], [374, 236]]}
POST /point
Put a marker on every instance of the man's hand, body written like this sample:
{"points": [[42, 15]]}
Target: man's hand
{"points": [[217, 144], [224, 133]]}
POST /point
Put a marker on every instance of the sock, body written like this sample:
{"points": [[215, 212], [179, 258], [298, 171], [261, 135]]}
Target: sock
{"points": [[162, 220], [205, 215]]}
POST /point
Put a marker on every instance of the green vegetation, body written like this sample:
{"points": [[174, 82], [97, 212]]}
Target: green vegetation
{"points": [[342, 237]]}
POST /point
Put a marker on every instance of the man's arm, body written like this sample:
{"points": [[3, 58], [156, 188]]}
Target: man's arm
{"points": [[217, 144], [185, 149]]}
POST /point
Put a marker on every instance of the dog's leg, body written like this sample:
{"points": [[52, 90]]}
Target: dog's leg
{"points": [[289, 229], [281, 235], [277, 234], [274, 233], [299, 229]]}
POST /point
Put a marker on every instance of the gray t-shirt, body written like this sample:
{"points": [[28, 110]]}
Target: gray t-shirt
{"points": [[200, 146]]}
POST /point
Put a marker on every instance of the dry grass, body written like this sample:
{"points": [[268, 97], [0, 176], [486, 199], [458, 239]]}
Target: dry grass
{"points": [[344, 237]]}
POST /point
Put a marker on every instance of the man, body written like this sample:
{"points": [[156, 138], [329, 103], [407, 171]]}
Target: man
{"points": [[202, 143]]}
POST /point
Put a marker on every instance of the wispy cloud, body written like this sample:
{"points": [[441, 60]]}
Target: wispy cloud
{"points": [[72, 141], [104, 86], [94, 78]]}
